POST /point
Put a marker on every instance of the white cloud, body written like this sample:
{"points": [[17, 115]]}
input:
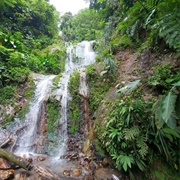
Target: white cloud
{"points": [[69, 5]]}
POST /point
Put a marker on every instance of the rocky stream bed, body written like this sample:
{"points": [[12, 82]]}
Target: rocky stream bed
{"points": [[75, 164]]}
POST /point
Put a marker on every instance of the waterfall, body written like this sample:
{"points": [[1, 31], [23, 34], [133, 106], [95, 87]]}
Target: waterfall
{"points": [[30, 137], [28, 140], [78, 57]]}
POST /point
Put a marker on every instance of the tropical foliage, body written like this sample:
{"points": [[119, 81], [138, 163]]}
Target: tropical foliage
{"points": [[137, 130], [26, 29], [86, 25], [144, 24]]}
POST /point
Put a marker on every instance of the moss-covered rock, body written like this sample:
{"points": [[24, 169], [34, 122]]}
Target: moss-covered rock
{"points": [[74, 104], [53, 115], [15, 101]]}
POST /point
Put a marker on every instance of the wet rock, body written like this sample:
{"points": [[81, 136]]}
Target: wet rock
{"points": [[107, 174], [77, 172], [105, 162], [21, 176], [41, 158], [93, 166], [67, 172], [29, 159], [6, 174], [4, 163], [85, 162]]}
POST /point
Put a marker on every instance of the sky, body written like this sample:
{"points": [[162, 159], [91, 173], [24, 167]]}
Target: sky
{"points": [[72, 6]]}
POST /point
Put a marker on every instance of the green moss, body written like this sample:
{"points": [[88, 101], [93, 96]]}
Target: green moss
{"points": [[23, 112], [28, 94], [53, 114], [74, 105], [56, 81], [162, 171], [98, 147], [98, 84], [7, 120], [74, 117]]}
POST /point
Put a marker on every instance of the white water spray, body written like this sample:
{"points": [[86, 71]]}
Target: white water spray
{"points": [[28, 140]]}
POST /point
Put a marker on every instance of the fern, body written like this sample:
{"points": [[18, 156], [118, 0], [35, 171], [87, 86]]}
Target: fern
{"points": [[170, 26], [132, 133], [125, 161], [141, 144]]}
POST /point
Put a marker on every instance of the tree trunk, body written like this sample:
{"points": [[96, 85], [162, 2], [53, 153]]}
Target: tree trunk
{"points": [[15, 159]]}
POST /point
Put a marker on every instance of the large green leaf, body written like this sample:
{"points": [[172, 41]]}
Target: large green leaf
{"points": [[129, 87], [177, 84], [168, 106]]}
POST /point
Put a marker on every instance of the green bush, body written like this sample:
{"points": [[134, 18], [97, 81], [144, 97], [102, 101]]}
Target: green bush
{"points": [[16, 59], [7, 94], [18, 74], [125, 136], [164, 76]]}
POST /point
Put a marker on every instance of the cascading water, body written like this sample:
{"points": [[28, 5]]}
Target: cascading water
{"points": [[27, 142], [78, 57], [29, 136]]}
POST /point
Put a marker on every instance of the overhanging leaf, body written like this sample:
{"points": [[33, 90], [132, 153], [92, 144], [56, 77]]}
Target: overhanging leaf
{"points": [[129, 87], [177, 84], [172, 121], [168, 106]]}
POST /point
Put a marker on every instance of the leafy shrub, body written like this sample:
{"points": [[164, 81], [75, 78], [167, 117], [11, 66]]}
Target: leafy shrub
{"points": [[7, 94], [169, 23], [121, 42], [16, 59], [18, 74], [125, 136], [135, 129], [164, 77]]}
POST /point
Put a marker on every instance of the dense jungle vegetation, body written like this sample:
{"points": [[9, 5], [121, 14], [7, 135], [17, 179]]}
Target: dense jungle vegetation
{"points": [[26, 31], [136, 132]]}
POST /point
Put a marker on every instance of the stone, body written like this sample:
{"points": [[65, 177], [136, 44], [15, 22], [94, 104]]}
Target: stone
{"points": [[77, 172], [105, 162], [41, 158], [67, 172], [6, 174], [4, 163]]}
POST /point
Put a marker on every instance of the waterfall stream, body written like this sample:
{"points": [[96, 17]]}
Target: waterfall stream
{"points": [[29, 139], [78, 57]]}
